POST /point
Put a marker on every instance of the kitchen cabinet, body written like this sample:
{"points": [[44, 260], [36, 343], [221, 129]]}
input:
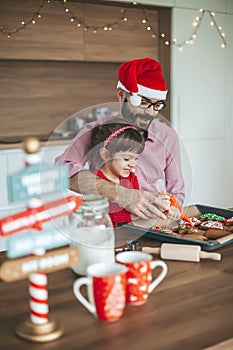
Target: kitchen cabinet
{"points": [[3, 175], [4, 195], [53, 69], [13, 161]]}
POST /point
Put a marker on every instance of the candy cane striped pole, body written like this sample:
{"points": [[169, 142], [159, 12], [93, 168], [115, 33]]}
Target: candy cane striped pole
{"points": [[38, 294], [38, 291], [39, 328]]}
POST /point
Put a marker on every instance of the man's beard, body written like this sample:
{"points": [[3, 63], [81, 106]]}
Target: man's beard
{"points": [[132, 117]]}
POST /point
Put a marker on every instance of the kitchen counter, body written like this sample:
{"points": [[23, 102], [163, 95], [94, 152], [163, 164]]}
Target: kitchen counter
{"points": [[191, 309], [19, 145]]}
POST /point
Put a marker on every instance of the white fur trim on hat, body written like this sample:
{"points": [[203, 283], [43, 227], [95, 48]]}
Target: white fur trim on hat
{"points": [[146, 92]]}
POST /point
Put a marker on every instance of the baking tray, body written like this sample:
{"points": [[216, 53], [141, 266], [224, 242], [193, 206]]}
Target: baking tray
{"points": [[133, 232]]}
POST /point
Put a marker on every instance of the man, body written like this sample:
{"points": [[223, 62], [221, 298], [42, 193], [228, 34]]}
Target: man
{"points": [[141, 92]]}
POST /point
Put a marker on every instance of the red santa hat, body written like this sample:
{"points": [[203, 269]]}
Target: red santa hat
{"points": [[142, 77]]}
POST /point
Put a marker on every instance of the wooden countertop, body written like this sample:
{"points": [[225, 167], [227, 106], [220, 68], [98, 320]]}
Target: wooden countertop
{"points": [[191, 309]]}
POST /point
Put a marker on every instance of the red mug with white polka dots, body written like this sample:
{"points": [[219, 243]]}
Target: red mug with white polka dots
{"points": [[106, 287], [140, 266]]}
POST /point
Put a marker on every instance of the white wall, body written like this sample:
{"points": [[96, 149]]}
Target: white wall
{"points": [[202, 110], [202, 104]]}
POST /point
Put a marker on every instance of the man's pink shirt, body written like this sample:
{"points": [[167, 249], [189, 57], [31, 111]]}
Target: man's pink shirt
{"points": [[159, 160]]}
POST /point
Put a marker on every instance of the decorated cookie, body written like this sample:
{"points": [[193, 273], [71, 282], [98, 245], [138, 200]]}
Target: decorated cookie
{"points": [[192, 229], [214, 233], [164, 230], [195, 221], [229, 221], [211, 216], [183, 231], [211, 224], [176, 229], [185, 227], [161, 229], [187, 230], [184, 224]]}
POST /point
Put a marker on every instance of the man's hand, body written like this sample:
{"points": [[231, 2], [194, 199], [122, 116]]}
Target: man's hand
{"points": [[143, 204]]}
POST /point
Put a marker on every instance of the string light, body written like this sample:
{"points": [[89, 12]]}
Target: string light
{"points": [[80, 21], [219, 30], [196, 24], [149, 26], [32, 20], [123, 18]]}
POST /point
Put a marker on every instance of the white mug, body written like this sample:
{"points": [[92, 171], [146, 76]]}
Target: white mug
{"points": [[89, 255], [106, 286]]}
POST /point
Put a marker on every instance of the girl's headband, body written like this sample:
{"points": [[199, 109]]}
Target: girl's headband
{"points": [[117, 132]]}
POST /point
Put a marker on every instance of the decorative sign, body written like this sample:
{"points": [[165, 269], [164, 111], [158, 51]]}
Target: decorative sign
{"points": [[30, 184], [32, 218], [36, 180], [27, 242], [17, 269]]}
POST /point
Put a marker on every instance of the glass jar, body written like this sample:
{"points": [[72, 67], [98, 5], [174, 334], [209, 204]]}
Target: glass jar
{"points": [[93, 233]]}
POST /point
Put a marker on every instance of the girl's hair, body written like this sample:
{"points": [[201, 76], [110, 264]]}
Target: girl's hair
{"points": [[115, 136]]}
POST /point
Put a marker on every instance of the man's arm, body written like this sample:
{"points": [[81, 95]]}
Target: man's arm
{"points": [[86, 182], [138, 202]]}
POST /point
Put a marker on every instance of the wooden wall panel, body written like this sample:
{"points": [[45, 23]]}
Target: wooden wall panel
{"points": [[52, 69], [54, 37], [35, 97], [129, 40]]}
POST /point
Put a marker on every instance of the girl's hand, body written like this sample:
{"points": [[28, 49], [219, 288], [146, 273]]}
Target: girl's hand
{"points": [[173, 213], [145, 205]]}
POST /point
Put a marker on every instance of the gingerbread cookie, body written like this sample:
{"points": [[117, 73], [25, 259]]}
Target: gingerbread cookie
{"points": [[184, 226], [183, 231], [161, 229], [211, 216], [211, 224], [229, 221], [214, 233], [196, 236], [229, 228], [187, 230], [195, 221]]}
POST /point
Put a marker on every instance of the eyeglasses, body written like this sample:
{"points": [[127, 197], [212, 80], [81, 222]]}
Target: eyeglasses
{"points": [[157, 106]]}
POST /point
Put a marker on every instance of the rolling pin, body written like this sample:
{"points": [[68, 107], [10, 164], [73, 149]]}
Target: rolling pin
{"points": [[181, 252]]}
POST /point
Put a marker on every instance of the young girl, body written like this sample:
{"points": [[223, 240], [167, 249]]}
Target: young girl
{"points": [[114, 152]]}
